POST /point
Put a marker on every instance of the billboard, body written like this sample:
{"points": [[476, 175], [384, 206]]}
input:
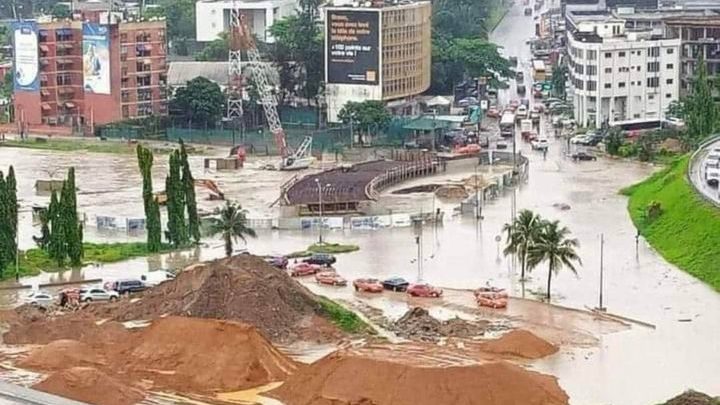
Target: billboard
{"points": [[353, 46], [25, 38], [96, 58]]}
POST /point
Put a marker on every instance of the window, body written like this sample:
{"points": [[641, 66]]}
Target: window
{"points": [[638, 68], [651, 97], [653, 82], [591, 70], [591, 85], [580, 69], [621, 85], [670, 51], [654, 67], [592, 55], [608, 70], [669, 81], [636, 115], [621, 54], [623, 69], [668, 95], [654, 52], [608, 85], [608, 55], [669, 66], [580, 53]]}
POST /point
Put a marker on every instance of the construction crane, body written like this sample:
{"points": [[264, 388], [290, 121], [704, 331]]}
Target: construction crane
{"points": [[242, 40]]}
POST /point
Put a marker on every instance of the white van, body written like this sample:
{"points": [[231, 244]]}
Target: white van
{"points": [[712, 176], [153, 278]]}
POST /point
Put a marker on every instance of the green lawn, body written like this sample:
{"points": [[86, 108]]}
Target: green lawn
{"points": [[69, 145], [34, 261], [343, 318], [330, 248], [687, 232]]}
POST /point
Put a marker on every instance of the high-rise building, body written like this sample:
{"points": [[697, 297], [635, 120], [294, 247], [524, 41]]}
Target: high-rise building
{"points": [[380, 52], [73, 74], [212, 17]]}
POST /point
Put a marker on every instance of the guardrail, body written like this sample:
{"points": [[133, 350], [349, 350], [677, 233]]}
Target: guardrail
{"points": [[692, 164], [390, 177]]}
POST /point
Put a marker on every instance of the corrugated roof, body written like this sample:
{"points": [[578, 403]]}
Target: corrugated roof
{"points": [[180, 73]]}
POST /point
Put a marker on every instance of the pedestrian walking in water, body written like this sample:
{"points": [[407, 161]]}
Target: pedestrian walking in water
{"points": [[545, 154]]}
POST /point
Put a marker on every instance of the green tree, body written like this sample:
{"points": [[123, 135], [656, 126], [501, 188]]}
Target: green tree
{"points": [[614, 140], [676, 109], [12, 214], [367, 116], [56, 247], [557, 249], [61, 11], [522, 234], [43, 241], [231, 224], [177, 231], [480, 59], [201, 102], [72, 228], [215, 50], [5, 233], [180, 19], [558, 80], [701, 112], [188, 184], [153, 226]]}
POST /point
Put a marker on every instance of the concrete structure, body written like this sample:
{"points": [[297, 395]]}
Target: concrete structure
{"points": [[619, 75], [377, 53], [212, 17], [121, 74]]}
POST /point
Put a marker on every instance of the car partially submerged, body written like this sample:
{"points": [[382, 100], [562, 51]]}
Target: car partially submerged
{"points": [[424, 290], [304, 269], [371, 285], [330, 278], [396, 284]]}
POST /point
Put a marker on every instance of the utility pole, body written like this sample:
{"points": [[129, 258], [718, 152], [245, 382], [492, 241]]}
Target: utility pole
{"points": [[320, 224], [418, 241], [602, 246], [477, 200]]}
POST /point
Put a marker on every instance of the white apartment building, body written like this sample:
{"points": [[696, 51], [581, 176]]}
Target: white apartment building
{"points": [[212, 17], [620, 76]]}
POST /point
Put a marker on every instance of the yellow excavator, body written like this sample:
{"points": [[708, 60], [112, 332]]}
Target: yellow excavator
{"points": [[211, 186]]}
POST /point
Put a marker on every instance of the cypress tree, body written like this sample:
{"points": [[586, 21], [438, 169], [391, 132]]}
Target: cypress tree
{"points": [[152, 209], [188, 183], [177, 232], [4, 226], [56, 247], [12, 214], [72, 227]]}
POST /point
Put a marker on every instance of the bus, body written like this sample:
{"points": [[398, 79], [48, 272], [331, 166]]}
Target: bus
{"points": [[507, 124], [539, 71]]}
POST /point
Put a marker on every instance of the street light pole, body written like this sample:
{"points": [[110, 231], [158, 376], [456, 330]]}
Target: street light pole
{"points": [[320, 225], [602, 246]]}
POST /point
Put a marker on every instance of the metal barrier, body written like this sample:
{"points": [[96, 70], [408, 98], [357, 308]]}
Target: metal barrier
{"points": [[692, 165]]}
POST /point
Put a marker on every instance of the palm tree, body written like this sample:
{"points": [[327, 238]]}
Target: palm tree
{"points": [[522, 233], [231, 223], [554, 246]]}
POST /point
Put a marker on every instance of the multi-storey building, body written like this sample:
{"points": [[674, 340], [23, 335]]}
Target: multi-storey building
{"points": [[212, 17], [377, 53], [619, 75], [77, 74]]}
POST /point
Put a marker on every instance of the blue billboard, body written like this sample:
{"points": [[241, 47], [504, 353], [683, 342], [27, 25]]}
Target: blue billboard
{"points": [[96, 58], [25, 41]]}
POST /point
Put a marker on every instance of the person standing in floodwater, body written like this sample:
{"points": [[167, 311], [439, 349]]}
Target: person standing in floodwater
{"points": [[545, 153]]}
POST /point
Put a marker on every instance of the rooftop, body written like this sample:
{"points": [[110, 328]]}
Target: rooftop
{"points": [[180, 73]]}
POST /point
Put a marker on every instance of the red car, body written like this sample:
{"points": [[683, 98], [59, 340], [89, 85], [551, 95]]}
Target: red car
{"points": [[304, 269], [493, 112], [424, 290], [371, 285], [330, 278]]}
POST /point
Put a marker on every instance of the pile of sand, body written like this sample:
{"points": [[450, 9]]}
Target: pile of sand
{"points": [[241, 288], [43, 330], [417, 324], [520, 343], [89, 385], [343, 380], [691, 397], [60, 354], [190, 354], [451, 192]]}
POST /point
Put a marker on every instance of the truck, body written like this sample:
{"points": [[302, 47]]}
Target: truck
{"points": [[526, 127], [507, 124]]}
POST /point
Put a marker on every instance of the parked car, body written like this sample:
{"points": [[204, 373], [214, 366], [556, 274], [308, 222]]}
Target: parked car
{"points": [[98, 294], [528, 11], [539, 144], [579, 156], [514, 104], [519, 76], [501, 145], [580, 140], [371, 285], [535, 117], [280, 262], [521, 112], [424, 290], [322, 259], [396, 284], [520, 89], [493, 112], [330, 278], [513, 60], [126, 286], [153, 278], [712, 177], [39, 298], [304, 269]]}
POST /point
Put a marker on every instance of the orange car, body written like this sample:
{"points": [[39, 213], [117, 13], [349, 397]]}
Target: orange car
{"points": [[330, 278], [371, 285], [424, 290], [304, 269]]}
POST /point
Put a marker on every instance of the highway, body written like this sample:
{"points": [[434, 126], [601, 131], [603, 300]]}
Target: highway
{"points": [[697, 172]]}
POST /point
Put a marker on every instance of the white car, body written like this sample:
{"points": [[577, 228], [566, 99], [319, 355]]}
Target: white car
{"points": [[153, 278], [98, 294], [712, 177], [580, 140], [539, 144], [521, 112], [39, 298]]}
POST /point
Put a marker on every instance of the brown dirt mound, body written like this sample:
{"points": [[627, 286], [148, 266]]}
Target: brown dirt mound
{"points": [[45, 330], [520, 343], [60, 354], [190, 354], [417, 324], [343, 380], [241, 288], [89, 385], [451, 192], [691, 397]]}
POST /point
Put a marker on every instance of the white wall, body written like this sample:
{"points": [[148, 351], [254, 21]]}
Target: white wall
{"points": [[336, 95], [210, 16]]}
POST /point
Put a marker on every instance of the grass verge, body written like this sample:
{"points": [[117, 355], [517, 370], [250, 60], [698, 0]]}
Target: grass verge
{"points": [[70, 145], [343, 318], [685, 231], [34, 261], [329, 248]]}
